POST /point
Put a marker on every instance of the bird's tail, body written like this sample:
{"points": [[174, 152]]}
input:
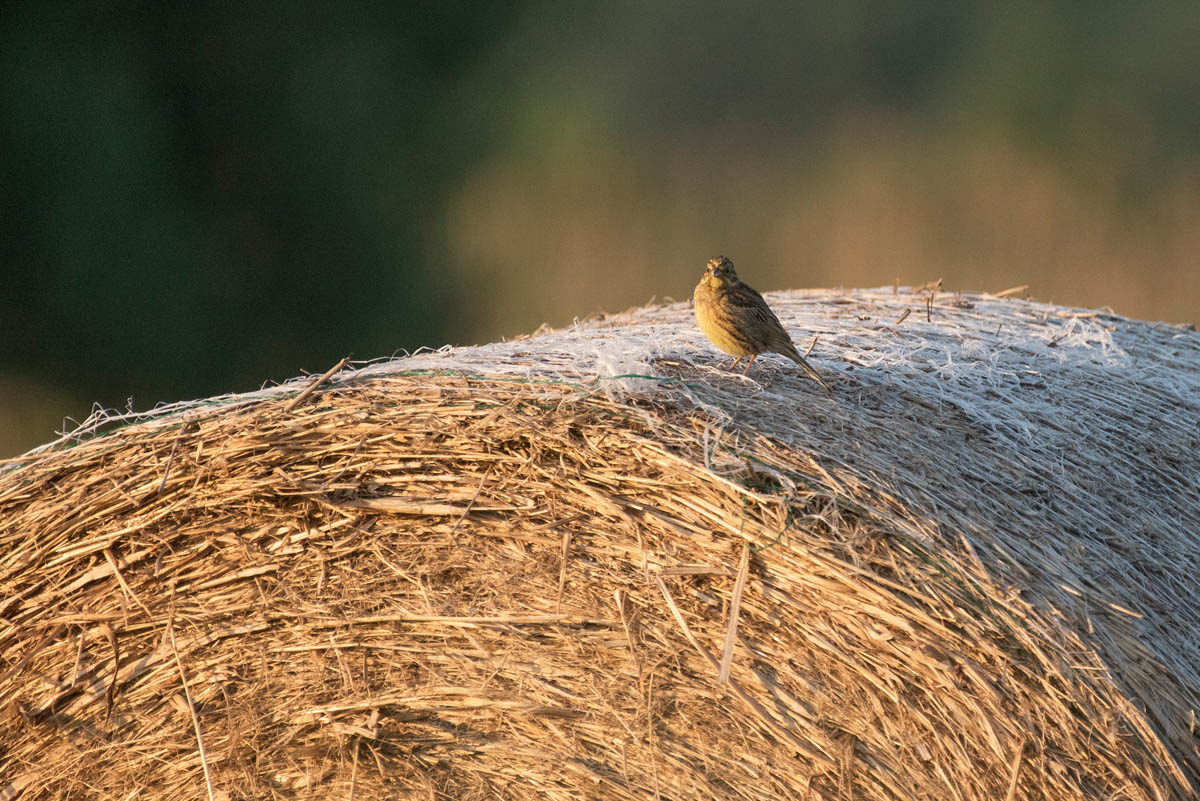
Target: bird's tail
{"points": [[795, 356]]}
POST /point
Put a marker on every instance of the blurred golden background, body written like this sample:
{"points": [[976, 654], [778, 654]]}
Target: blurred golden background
{"points": [[201, 199]]}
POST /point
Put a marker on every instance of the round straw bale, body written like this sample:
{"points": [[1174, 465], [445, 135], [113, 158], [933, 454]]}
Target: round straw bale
{"points": [[593, 564]]}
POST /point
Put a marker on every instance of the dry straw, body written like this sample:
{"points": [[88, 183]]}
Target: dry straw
{"points": [[519, 571]]}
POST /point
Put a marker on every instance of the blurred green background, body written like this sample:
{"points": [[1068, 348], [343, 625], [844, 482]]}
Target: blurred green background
{"points": [[199, 198]]}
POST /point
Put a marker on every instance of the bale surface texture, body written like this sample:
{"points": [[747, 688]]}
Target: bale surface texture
{"points": [[593, 564]]}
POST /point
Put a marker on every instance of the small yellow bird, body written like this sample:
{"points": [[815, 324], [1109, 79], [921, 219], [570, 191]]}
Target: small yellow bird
{"points": [[738, 321]]}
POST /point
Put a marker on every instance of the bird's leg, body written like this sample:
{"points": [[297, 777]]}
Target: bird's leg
{"points": [[752, 358], [735, 363]]}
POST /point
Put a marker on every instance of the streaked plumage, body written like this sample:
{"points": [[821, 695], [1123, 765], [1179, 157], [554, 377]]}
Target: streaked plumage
{"points": [[737, 320]]}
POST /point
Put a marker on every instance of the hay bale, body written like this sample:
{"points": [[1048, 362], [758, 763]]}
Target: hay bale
{"points": [[591, 564]]}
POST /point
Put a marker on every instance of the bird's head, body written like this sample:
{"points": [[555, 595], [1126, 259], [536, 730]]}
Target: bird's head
{"points": [[720, 272]]}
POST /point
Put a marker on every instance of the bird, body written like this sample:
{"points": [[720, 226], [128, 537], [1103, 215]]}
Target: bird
{"points": [[736, 319]]}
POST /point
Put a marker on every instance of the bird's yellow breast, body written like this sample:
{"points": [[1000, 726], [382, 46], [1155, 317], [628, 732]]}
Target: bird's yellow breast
{"points": [[716, 323]]}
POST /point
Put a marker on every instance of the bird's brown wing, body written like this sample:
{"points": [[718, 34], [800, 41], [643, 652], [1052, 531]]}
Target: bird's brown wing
{"points": [[759, 321], [765, 329]]}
